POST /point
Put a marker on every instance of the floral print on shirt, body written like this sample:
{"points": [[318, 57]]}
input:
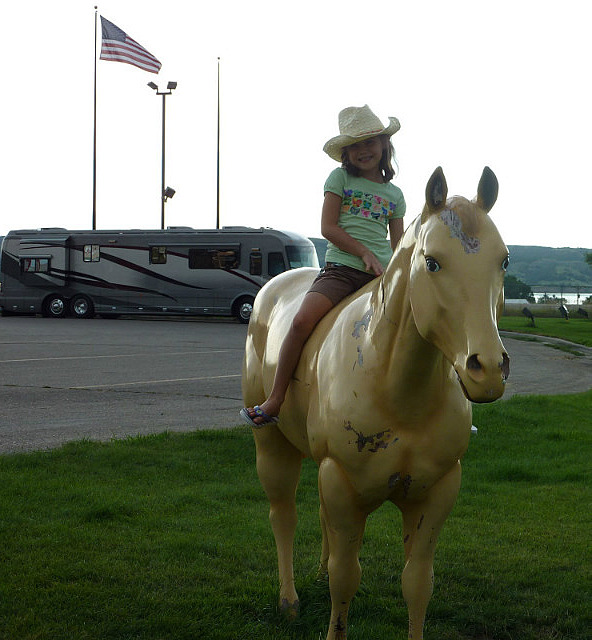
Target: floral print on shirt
{"points": [[367, 205]]}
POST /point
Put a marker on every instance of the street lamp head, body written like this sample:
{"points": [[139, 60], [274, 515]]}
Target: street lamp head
{"points": [[171, 86], [153, 86]]}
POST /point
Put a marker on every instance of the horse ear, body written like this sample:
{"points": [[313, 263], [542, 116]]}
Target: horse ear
{"points": [[487, 190], [436, 190]]}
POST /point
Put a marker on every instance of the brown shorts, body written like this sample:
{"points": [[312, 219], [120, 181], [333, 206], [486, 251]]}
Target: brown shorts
{"points": [[336, 281]]}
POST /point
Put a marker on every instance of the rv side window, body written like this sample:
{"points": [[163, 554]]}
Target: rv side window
{"points": [[34, 265], [91, 253], [213, 258], [255, 263], [158, 255], [275, 263]]}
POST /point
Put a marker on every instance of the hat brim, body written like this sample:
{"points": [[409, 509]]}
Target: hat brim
{"points": [[334, 147]]}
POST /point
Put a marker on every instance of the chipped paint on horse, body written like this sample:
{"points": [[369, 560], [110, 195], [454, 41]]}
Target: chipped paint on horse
{"points": [[381, 398]]}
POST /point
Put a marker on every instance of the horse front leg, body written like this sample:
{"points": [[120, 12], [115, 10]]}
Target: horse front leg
{"points": [[344, 525], [422, 523], [323, 569], [278, 467]]}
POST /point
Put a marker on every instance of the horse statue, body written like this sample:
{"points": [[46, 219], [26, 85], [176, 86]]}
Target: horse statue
{"points": [[381, 398]]}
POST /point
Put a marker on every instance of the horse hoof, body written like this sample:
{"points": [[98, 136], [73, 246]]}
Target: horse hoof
{"points": [[290, 610]]}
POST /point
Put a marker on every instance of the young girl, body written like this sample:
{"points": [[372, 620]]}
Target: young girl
{"points": [[360, 205]]}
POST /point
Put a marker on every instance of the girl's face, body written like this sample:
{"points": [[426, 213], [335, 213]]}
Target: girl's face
{"points": [[366, 156]]}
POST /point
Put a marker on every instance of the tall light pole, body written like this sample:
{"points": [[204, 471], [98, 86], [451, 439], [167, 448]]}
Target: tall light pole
{"points": [[165, 192], [218, 157]]}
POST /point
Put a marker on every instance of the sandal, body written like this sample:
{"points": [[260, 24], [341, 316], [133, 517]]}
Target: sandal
{"points": [[257, 411]]}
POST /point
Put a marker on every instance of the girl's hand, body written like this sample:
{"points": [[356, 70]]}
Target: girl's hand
{"points": [[373, 264]]}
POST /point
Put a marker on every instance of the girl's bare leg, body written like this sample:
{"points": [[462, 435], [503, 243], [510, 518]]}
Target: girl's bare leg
{"points": [[314, 307]]}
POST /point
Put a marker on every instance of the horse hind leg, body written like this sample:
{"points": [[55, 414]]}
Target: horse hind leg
{"points": [[278, 467]]}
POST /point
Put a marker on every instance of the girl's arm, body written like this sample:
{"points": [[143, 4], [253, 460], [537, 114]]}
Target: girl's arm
{"points": [[396, 229], [340, 238]]}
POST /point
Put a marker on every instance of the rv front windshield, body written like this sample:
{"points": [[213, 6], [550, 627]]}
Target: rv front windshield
{"points": [[301, 256]]}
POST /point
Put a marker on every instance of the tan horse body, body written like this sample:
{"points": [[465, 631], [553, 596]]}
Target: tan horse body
{"points": [[381, 396]]}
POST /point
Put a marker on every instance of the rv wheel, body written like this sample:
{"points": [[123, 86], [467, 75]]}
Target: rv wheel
{"points": [[243, 309], [81, 307], [54, 307]]}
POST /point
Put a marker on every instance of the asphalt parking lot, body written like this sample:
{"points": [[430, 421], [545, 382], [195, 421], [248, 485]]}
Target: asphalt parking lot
{"points": [[67, 379]]}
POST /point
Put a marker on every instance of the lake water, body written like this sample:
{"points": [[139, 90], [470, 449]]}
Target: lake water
{"points": [[570, 298]]}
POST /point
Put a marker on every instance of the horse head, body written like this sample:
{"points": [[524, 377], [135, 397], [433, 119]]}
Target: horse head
{"points": [[456, 284]]}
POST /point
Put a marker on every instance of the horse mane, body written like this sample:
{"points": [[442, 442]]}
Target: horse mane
{"points": [[467, 212]]}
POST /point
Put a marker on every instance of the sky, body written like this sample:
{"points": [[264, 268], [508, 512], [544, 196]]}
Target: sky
{"points": [[473, 83]]}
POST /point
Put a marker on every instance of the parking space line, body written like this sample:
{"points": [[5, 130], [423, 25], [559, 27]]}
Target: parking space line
{"points": [[128, 355], [139, 382]]}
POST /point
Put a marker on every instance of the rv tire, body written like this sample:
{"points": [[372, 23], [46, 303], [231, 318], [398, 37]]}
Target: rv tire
{"points": [[54, 306], [81, 307], [243, 308]]}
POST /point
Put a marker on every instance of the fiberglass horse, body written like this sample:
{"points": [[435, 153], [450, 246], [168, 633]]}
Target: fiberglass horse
{"points": [[381, 398]]}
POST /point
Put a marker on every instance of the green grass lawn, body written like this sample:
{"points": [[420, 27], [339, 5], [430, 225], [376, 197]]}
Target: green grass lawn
{"points": [[167, 537], [575, 329]]}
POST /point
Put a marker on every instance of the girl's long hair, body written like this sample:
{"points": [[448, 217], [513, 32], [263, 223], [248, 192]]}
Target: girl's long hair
{"points": [[385, 166]]}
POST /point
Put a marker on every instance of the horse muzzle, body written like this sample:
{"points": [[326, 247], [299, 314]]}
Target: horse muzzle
{"points": [[484, 379]]}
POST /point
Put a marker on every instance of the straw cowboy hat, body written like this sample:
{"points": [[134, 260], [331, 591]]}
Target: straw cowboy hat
{"points": [[357, 124]]}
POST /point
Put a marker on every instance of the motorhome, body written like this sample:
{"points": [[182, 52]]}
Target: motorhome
{"points": [[179, 270]]}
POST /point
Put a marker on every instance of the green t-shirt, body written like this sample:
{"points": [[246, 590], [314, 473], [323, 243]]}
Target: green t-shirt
{"points": [[366, 208]]}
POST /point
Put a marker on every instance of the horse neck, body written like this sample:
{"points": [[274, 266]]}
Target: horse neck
{"points": [[411, 363]]}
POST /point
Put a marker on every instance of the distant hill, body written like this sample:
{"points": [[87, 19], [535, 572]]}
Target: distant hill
{"points": [[550, 266], [535, 266]]}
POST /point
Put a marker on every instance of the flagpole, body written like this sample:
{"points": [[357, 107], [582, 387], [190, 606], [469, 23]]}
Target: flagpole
{"points": [[218, 156], [94, 207]]}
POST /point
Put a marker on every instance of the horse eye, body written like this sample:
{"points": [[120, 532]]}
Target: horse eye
{"points": [[506, 263], [432, 264]]}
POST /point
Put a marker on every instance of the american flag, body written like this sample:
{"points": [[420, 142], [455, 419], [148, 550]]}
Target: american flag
{"points": [[119, 47]]}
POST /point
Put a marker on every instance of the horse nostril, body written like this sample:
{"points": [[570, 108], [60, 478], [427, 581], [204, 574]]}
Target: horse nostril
{"points": [[473, 363], [505, 366]]}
